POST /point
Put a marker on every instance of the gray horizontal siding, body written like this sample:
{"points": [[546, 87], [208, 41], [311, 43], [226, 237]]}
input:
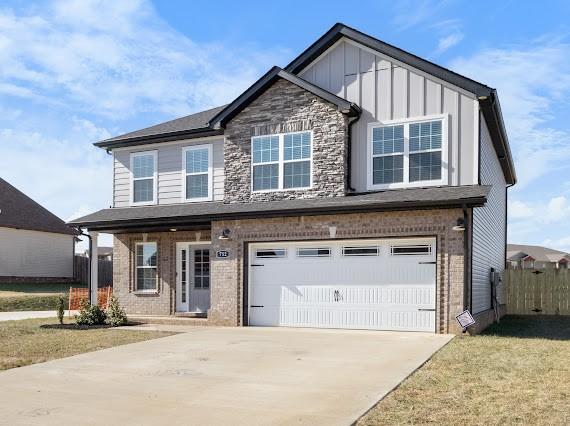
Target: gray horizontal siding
{"points": [[387, 90], [488, 226], [170, 184]]}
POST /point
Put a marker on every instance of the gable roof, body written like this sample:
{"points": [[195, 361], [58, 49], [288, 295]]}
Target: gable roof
{"points": [[19, 211], [211, 122], [257, 88], [194, 125], [538, 253], [488, 98]]}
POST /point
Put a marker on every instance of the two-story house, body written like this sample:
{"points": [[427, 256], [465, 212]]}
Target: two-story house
{"points": [[358, 187]]}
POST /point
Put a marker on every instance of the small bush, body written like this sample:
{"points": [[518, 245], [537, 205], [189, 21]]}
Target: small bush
{"points": [[90, 315], [115, 313], [60, 309]]}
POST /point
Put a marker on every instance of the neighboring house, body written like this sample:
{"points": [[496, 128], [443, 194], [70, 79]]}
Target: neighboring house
{"points": [[521, 256], [35, 245], [103, 253], [358, 187]]}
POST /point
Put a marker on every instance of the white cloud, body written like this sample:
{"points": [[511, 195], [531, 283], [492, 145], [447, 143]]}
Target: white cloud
{"points": [[557, 210], [532, 80], [562, 244], [449, 41], [118, 59], [409, 13], [519, 210]]}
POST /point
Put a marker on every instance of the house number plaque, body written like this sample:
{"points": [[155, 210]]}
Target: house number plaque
{"points": [[221, 254]]}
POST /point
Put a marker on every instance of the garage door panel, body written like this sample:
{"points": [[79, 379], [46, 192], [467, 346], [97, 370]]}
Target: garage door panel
{"points": [[318, 316], [385, 291]]}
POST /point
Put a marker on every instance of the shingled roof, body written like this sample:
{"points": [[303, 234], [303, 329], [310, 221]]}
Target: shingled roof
{"points": [[194, 124], [203, 213], [19, 211]]}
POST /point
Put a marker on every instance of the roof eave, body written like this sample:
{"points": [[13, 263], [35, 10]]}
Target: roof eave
{"points": [[344, 209], [255, 90], [491, 109], [340, 30], [163, 137]]}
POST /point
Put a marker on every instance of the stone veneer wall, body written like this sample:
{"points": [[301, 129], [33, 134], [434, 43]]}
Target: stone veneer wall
{"points": [[228, 274], [285, 107], [163, 301]]}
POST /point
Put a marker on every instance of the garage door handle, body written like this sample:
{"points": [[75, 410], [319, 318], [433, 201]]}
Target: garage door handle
{"points": [[427, 263], [427, 310], [256, 264], [256, 306]]}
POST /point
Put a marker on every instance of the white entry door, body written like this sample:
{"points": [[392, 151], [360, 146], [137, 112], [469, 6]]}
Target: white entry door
{"points": [[192, 277], [361, 284]]}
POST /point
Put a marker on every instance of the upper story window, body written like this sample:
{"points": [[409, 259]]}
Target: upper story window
{"points": [[197, 162], [143, 177], [281, 162], [408, 153]]}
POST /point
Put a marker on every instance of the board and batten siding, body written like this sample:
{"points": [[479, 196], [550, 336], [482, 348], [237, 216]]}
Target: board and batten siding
{"points": [[489, 227], [170, 170], [388, 90], [25, 253]]}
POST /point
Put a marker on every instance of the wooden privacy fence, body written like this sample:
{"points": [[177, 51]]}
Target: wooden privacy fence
{"points": [[77, 295], [543, 293], [81, 270]]}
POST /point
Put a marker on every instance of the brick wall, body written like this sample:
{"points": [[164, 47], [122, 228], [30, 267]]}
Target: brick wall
{"points": [[228, 273], [283, 108], [161, 302]]}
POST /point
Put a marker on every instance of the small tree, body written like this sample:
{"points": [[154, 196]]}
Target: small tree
{"points": [[116, 315], [60, 309], [90, 314]]}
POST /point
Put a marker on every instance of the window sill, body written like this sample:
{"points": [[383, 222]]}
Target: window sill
{"points": [[418, 184], [146, 292], [266, 191]]}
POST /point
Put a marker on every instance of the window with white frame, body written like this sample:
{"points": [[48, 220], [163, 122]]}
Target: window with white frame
{"points": [[146, 277], [143, 182], [198, 173], [407, 153], [425, 151], [281, 162]]}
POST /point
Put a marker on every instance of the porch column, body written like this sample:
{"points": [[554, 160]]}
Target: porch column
{"points": [[94, 260]]}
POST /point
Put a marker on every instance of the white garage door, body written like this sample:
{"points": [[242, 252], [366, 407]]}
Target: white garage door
{"points": [[361, 284]]}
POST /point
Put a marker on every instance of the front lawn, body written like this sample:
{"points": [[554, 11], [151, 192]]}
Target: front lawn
{"points": [[517, 372], [33, 296], [31, 341]]}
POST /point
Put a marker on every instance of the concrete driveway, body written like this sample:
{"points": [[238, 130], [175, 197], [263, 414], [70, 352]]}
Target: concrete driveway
{"points": [[211, 376]]}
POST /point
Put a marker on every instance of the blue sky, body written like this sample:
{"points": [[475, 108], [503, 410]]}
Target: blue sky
{"points": [[78, 71]]}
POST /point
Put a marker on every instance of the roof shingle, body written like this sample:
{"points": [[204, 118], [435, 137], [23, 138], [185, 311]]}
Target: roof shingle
{"points": [[186, 213], [19, 211]]}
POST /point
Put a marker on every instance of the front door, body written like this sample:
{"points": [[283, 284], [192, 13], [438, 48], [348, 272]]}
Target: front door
{"points": [[192, 277]]}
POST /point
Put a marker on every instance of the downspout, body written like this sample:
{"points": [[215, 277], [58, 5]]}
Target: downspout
{"points": [[90, 254], [468, 291], [349, 154]]}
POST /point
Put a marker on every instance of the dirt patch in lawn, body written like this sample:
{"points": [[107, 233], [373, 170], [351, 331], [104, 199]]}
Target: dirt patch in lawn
{"points": [[31, 341], [518, 372]]}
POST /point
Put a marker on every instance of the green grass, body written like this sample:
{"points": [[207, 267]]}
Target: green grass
{"points": [[517, 372], [38, 288], [31, 341], [33, 296], [31, 303]]}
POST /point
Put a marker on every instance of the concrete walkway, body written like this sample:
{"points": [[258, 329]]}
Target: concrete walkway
{"points": [[20, 315], [219, 376]]}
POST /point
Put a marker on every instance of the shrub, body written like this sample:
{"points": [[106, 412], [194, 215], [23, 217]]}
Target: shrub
{"points": [[115, 313], [90, 315], [60, 309]]}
